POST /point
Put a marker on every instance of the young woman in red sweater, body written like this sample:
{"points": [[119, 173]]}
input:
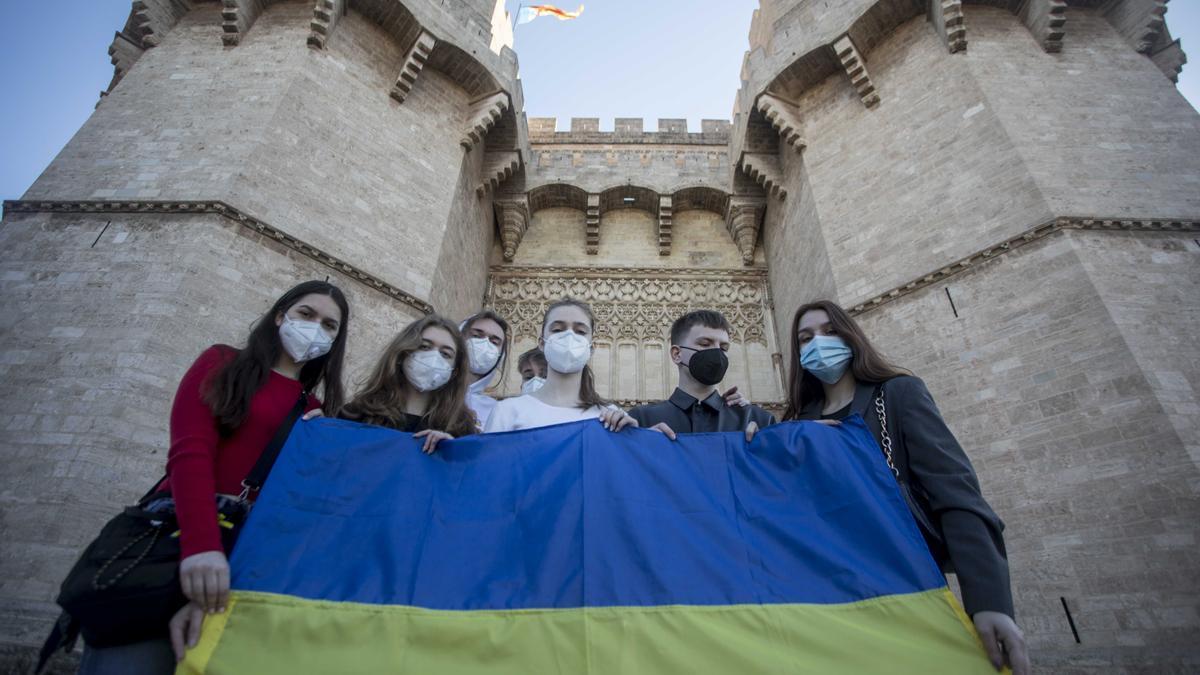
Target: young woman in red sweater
{"points": [[228, 406]]}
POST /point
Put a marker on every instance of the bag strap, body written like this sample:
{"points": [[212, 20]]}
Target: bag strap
{"points": [[885, 437], [153, 490], [258, 475], [62, 636]]}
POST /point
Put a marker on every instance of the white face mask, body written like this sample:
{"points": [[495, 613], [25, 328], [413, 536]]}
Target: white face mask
{"points": [[427, 370], [567, 351], [304, 340], [532, 384], [482, 355]]}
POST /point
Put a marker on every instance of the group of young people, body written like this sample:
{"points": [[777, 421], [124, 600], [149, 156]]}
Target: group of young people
{"points": [[432, 380]]}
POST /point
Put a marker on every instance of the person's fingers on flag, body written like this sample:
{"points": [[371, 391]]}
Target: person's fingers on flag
{"points": [[624, 421], [175, 629], [432, 438], [995, 654], [198, 588], [664, 429], [194, 624], [424, 434], [1014, 650], [184, 629], [186, 585], [751, 429], [991, 645], [212, 592], [222, 588]]}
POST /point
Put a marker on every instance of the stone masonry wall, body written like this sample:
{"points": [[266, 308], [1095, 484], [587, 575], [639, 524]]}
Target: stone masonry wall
{"points": [[1101, 130], [170, 129], [927, 176], [1073, 447], [1150, 285], [461, 272], [628, 237], [663, 168], [967, 149], [796, 252], [107, 314], [349, 169], [1066, 367], [308, 140]]}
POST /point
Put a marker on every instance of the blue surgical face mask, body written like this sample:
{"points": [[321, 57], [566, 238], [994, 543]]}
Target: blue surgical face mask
{"points": [[827, 357]]}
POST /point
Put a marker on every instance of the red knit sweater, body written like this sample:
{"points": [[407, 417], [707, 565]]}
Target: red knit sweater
{"points": [[201, 463]]}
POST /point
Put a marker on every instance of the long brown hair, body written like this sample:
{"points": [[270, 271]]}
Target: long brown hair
{"points": [[587, 383], [229, 391], [381, 400], [867, 364], [502, 364]]}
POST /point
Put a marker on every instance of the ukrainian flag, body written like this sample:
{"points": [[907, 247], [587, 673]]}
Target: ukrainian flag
{"points": [[571, 549]]}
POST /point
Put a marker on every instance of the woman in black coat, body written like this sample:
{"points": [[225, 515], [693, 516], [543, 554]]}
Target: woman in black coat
{"points": [[835, 372]]}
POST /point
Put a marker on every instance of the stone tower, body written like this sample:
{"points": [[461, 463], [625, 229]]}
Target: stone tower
{"points": [[1007, 193]]}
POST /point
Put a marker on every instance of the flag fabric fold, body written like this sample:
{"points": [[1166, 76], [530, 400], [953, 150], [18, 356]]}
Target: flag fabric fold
{"points": [[531, 12], [572, 549]]}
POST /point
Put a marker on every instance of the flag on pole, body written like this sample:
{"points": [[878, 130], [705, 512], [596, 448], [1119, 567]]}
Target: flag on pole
{"points": [[527, 14], [572, 549]]}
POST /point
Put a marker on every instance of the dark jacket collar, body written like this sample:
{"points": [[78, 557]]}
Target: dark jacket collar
{"points": [[684, 401]]}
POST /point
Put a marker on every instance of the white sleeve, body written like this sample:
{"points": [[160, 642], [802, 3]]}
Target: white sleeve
{"points": [[501, 419]]}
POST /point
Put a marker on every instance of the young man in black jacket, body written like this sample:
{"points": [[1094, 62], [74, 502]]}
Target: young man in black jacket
{"points": [[699, 343]]}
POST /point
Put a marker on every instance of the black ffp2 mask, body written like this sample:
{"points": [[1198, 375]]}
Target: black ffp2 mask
{"points": [[708, 366]]}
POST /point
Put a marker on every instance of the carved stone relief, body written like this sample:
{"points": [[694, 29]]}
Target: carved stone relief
{"points": [[634, 309]]}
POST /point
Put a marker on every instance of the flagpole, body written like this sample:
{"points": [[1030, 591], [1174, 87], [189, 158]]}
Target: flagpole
{"points": [[516, 15]]}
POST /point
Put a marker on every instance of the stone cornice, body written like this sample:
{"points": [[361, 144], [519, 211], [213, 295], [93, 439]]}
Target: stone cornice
{"points": [[221, 208], [557, 272], [1031, 235]]}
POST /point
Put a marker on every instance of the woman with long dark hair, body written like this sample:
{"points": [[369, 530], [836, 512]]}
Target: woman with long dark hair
{"points": [[228, 406], [419, 385], [835, 371], [569, 393]]}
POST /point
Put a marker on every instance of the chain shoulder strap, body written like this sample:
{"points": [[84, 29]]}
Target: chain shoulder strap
{"points": [[881, 410]]}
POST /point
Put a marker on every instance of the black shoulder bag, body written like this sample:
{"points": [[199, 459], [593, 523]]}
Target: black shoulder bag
{"points": [[914, 495], [125, 587]]}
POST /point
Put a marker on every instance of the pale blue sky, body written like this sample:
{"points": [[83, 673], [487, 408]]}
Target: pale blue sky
{"points": [[623, 58]]}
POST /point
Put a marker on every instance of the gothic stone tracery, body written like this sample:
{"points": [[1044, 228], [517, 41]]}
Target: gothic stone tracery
{"points": [[635, 307]]}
